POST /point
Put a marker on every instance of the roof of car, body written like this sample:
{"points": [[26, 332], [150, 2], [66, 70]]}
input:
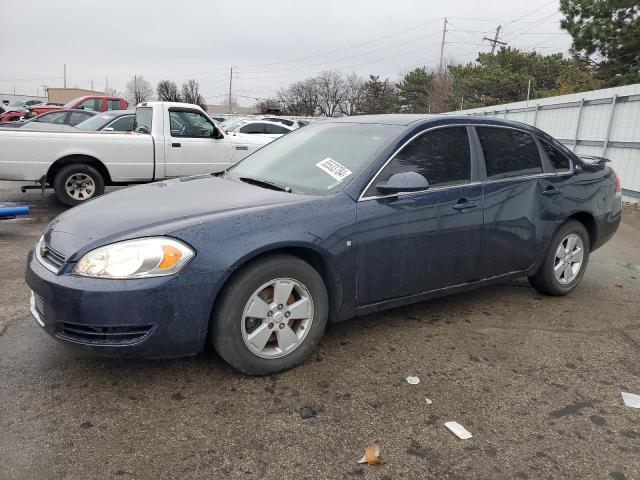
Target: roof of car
{"points": [[413, 119]]}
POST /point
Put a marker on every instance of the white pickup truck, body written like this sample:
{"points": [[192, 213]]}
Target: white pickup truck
{"points": [[169, 140]]}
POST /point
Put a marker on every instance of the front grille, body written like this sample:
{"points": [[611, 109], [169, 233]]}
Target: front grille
{"points": [[39, 304], [52, 256], [103, 335]]}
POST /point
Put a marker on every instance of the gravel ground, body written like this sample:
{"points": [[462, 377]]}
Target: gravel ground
{"points": [[535, 379]]}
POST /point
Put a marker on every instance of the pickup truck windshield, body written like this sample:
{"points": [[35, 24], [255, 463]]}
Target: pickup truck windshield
{"points": [[316, 159]]}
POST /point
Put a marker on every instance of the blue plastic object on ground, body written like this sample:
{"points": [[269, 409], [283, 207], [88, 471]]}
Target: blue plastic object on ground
{"points": [[13, 211]]}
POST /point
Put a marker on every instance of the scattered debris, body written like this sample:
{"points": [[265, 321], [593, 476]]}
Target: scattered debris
{"points": [[458, 430], [178, 396], [428, 401], [307, 412], [371, 455], [631, 399], [412, 380]]}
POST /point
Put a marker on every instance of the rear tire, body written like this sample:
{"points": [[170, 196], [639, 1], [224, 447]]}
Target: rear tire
{"points": [[565, 261], [76, 183], [270, 316]]}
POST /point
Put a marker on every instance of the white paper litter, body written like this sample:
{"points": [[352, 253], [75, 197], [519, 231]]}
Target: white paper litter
{"points": [[412, 380], [458, 430], [631, 399]]}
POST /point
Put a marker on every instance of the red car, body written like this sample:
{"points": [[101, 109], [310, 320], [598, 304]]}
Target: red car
{"points": [[92, 103]]}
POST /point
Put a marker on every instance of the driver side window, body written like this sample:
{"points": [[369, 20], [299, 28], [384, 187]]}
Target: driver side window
{"points": [[184, 123], [442, 156]]}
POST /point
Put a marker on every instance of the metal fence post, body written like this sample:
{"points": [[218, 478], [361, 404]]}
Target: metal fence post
{"points": [[612, 112], [535, 115], [575, 138]]}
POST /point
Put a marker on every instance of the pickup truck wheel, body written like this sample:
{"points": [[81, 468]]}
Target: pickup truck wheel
{"points": [[270, 316], [77, 183], [565, 261]]}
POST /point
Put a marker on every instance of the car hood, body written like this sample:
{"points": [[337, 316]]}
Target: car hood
{"points": [[156, 209]]}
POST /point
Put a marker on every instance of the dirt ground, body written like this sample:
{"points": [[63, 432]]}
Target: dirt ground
{"points": [[535, 379]]}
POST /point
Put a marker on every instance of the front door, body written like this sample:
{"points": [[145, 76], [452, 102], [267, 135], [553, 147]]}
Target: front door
{"points": [[410, 243], [190, 148]]}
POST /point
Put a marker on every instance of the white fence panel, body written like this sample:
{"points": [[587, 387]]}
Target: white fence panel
{"points": [[601, 122]]}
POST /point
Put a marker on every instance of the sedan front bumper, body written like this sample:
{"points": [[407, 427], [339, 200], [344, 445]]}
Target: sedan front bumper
{"points": [[160, 317]]}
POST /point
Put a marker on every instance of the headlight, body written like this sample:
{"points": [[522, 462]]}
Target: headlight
{"points": [[140, 258]]}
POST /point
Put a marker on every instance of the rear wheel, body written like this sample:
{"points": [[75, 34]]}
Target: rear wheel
{"points": [[270, 316], [565, 261], [77, 183]]}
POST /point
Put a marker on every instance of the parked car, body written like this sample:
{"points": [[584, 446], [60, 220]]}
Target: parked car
{"points": [[338, 219], [287, 121], [63, 118], [263, 128], [233, 123], [169, 140], [94, 103], [113, 121], [14, 110]]}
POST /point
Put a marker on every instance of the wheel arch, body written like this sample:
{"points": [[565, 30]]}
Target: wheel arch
{"points": [[78, 158], [313, 256], [589, 223]]}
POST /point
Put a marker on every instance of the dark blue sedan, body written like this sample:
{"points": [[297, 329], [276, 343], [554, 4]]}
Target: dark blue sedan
{"points": [[338, 219]]}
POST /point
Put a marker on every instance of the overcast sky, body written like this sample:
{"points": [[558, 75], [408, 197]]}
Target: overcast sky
{"points": [[271, 44]]}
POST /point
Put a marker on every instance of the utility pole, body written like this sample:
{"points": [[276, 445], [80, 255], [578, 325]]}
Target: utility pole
{"points": [[526, 109], [106, 84], [461, 102], [92, 85], [444, 33], [495, 40], [230, 84]]}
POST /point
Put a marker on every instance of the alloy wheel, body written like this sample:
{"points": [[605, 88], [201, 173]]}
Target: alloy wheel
{"points": [[277, 318]]}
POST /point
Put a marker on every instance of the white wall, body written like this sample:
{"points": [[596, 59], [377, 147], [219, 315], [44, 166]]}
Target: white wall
{"points": [[615, 108]]}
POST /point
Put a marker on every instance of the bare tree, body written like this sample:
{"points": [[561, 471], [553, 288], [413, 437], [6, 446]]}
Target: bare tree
{"points": [[110, 91], [438, 92], [268, 106], [191, 94], [353, 95], [300, 98], [167, 91], [138, 90], [331, 89]]}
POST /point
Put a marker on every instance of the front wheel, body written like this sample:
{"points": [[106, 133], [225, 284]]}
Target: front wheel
{"points": [[77, 183], [565, 261], [270, 316]]}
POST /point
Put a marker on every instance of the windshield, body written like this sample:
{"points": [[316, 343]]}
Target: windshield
{"points": [[96, 122], [316, 159], [231, 125], [16, 103]]}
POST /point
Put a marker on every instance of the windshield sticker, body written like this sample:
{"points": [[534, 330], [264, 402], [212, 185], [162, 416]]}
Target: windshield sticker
{"points": [[333, 168]]}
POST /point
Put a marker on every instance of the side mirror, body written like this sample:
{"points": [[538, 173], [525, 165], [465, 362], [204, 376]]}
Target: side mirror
{"points": [[403, 182], [216, 134]]}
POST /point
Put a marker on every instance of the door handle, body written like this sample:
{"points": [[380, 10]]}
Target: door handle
{"points": [[464, 205], [176, 145], [551, 191]]}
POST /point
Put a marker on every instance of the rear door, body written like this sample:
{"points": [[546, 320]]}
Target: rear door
{"points": [[409, 243], [190, 148], [523, 200]]}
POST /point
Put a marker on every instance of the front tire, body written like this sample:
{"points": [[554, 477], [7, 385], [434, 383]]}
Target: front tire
{"points": [[77, 183], [565, 261], [270, 316]]}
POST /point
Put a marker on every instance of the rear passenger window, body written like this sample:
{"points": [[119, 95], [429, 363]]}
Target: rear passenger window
{"points": [[509, 153], [558, 160], [442, 156]]}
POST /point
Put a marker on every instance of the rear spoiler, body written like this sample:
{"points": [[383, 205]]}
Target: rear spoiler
{"points": [[595, 159]]}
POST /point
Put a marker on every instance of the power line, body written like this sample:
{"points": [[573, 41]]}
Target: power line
{"points": [[346, 48]]}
